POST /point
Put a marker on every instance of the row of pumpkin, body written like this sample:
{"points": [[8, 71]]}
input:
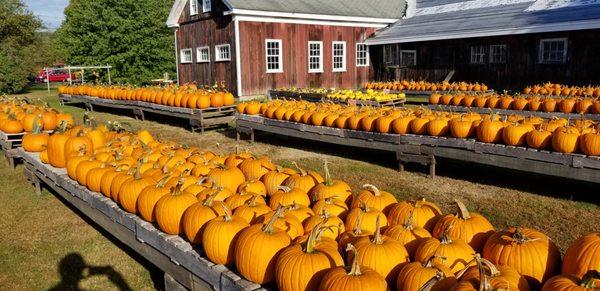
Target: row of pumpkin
{"points": [[17, 116], [426, 86], [188, 95], [563, 90], [560, 134], [580, 105], [292, 227]]}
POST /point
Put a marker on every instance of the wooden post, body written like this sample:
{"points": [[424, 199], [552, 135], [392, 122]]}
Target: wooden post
{"points": [[108, 69], [432, 166], [70, 78], [47, 79]]}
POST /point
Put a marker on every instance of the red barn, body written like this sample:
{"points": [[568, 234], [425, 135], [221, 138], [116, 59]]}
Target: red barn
{"points": [[257, 45]]}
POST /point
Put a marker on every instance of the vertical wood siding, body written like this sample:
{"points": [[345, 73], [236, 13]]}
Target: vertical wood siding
{"points": [[295, 39]]}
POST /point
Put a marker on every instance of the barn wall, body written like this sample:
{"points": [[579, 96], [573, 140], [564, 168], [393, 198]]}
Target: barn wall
{"points": [[207, 29], [522, 67], [295, 39]]}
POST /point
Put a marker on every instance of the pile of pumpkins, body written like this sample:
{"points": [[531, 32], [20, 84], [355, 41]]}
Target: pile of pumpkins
{"points": [[303, 231], [427, 86], [581, 105], [559, 134], [18, 116], [188, 96], [563, 90]]}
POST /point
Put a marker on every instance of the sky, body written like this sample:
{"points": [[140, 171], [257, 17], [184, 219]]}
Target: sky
{"points": [[49, 11]]}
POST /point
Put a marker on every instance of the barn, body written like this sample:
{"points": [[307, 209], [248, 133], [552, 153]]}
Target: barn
{"points": [[254, 46], [505, 43]]}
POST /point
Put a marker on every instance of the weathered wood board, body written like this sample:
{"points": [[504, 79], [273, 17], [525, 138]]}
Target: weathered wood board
{"points": [[545, 115]]}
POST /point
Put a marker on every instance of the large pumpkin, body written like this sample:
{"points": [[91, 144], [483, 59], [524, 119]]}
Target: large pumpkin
{"points": [[220, 235], [329, 187], [408, 234], [355, 278], [374, 198], [486, 276], [170, 208], [419, 276], [530, 252], [425, 214], [454, 254], [469, 227], [582, 255], [589, 282]]}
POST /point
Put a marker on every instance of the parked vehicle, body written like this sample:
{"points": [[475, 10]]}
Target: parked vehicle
{"points": [[56, 75]]}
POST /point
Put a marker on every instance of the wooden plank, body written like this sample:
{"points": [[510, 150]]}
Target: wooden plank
{"points": [[546, 115]]}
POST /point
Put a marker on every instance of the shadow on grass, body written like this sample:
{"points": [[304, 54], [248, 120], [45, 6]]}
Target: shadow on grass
{"points": [[71, 264], [488, 175], [73, 269]]}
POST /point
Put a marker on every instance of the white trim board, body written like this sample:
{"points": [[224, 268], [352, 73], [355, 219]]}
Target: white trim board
{"points": [[554, 27], [238, 60], [311, 16], [309, 22]]}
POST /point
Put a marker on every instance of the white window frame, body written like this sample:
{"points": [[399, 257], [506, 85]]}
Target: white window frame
{"points": [[320, 56], [541, 60], [218, 57], [199, 58], [193, 7], [366, 57], [206, 6], [491, 53], [182, 54], [343, 56], [478, 57], [279, 56], [413, 52]]}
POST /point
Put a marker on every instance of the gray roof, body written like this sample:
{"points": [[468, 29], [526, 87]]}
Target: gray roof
{"points": [[452, 19], [380, 9], [361, 8]]}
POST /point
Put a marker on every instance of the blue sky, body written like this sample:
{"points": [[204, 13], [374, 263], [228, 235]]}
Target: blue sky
{"points": [[49, 11]]}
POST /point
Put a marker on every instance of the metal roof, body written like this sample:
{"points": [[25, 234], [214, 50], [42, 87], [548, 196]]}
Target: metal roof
{"points": [[388, 10], [451, 19]]}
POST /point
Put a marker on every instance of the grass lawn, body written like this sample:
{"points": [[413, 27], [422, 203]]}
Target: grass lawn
{"points": [[36, 233]]}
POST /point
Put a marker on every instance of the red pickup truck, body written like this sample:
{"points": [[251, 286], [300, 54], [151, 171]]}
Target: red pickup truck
{"points": [[56, 75]]}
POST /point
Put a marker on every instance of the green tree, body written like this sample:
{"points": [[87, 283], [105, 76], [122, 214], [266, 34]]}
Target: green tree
{"points": [[18, 39], [130, 35]]}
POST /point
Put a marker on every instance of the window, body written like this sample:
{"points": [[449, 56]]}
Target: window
{"points": [[339, 56], [203, 54], [478, 54], [408, 58], [390, 55], [498, 54], [315, 57], [362, 55], [273, 56], [193, 7], [553, 51], [206, 5], [222, 53], [186, 56]]}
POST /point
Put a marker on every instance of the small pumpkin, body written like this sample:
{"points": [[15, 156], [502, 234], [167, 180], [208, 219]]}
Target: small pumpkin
{"points": [[220, 235], [355, 278]]}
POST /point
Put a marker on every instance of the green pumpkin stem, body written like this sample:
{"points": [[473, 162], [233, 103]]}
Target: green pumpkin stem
{"points": [[439, 275], [463, 212], [209, 201], [410, 222], [227, 213], [268, 228], [588, 280], [302, 171], [377, 238], [177, 190], [358, 225], [373, 189], [311, 242], [37, 127], [355, 267], [163, 181], [328, 179]]}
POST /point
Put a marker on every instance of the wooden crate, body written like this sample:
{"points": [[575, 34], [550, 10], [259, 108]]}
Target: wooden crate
{"points": [[184, 265], [10, 143]]}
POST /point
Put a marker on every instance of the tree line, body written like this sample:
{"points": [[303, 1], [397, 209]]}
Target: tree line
{"points": [[129, 35]]}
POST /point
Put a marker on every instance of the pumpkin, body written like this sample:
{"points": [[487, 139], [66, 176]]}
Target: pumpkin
{"points": [[198, 214], [254, 169], [228, 177], [286, 196], [454, 254], [529, 251], [582, 255], [374, 198], [254, 186], [438, 126], [355, 278], [461, 127], [381, 253], [254, 208], [332, 205], [368, 217], [148, 198], [218, 192], [591, 281], [408, 234], [131, 190], [490, 130], [425, 214], [589, 143], [220, 235], [84, 168], [539, 138], [402, 125], [257, 249], [108, 177], [330, 187], [351, 236], [426, 275], [56, 147], [36, 141], [334, 224], [565, 139], [302, 266], [485, 276], [275, 178], [515, 134], [284, 220], [170, 208], [469, 227]]}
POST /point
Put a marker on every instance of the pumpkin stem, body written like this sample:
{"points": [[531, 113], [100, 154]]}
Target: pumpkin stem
{"points": [[463, 212], [410, 223], [493, 269], [432, 281], [163, 181], [588, 280], [302, 171], [355, 267], [285, 189], [445, 239], [357, 226], [268, 228], [377, 238], [252, 201], [227, 211], [211, 198], [328, 179], [177, 190], [519, 236], [37, 127], [312, 238], [373, 189]]}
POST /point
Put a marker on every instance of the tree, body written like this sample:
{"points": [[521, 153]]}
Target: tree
{"points": [[130, 35], [18, 38]]}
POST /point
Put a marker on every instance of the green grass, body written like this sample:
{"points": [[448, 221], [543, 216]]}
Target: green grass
{"points": [[36, 233]]}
